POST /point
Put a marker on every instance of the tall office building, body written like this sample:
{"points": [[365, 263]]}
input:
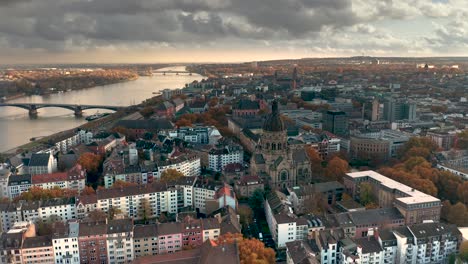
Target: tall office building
{"points": [[399, 110], [336, 122]]}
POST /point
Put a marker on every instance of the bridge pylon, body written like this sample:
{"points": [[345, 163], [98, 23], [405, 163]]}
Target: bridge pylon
{"points": [[33, 111], [78, 111]]}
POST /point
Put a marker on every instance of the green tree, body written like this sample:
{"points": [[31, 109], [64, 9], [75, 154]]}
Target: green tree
{"points": [[366, 195], [256, 200]]}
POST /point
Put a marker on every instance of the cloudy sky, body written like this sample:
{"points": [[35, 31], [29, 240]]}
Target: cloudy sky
{"points": [[42, 31]]}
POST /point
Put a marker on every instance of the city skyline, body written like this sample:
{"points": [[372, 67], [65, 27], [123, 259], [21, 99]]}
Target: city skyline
{"points": [[78, 31]]}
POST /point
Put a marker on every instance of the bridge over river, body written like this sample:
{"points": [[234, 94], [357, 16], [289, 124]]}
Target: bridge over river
{"points": [[76, 108]]}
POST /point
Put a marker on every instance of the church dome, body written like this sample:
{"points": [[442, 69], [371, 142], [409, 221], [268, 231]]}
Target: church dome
{"points": [[273, 123]]}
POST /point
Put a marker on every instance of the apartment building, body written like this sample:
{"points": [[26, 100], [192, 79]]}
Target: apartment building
{"points": [[65, 243], [120, 248], [60, 209], [284, 225], [159, 197], [37, 249], [219, 158], [92, 242], [427, 243], [82, 136], [74, 179]]}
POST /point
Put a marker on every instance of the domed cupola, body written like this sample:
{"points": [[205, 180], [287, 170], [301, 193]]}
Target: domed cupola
{"points": [[273, 123]]}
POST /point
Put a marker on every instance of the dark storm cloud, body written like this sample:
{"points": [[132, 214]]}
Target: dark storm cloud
{"points": [[70, 25], [170, 21]]}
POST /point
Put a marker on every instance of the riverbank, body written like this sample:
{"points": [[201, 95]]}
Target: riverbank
{"points": [[51, 92], [50, 140], [17, 128]]}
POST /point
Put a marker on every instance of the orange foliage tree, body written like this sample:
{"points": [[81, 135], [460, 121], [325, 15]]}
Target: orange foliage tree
{"points": [[171, 175], [251, 251], [122, 184], [37, 193], [88, 190], [91, 162], [336, 169], [315, 160]]}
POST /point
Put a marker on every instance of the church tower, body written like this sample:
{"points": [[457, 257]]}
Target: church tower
{"points": [[274, 137], [274, 160]]}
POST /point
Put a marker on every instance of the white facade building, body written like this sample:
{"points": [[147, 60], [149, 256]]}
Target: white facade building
{"points": [[200, 194], [219, 158], [65, 244], [189, 166], [158, 197], [81, 136]]}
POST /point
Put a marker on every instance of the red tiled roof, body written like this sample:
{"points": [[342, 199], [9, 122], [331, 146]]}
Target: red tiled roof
{"points": [[225, 190], [50, 177], [87, 199]]}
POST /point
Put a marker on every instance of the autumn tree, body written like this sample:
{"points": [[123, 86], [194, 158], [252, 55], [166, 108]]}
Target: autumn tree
{"points": [[315, 161], [97, 215], [113, 212], [88, 190], [458, 215], [418, 142], [36, 193], [336, 169], [170, 175], [462, 192], [251, 251], [119, 184], [91, 162], [314, 202]]}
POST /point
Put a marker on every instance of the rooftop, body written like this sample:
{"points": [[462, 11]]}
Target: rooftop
{"points": [[414, 196], [39, 159]]}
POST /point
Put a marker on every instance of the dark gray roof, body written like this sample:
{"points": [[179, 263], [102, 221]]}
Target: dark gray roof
{"points": [[36, 242], [434, 229], [300, 252], [119, 226], [368, 244], [328, 186], [11, 240], [169, 228], [140, 231], [374, 216], [153, 124], [247, 105], [19, 179], [386, 235], [39, 159]]}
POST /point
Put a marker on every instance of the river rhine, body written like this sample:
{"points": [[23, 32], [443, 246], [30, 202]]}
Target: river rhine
{"points": [[16, 128]]}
